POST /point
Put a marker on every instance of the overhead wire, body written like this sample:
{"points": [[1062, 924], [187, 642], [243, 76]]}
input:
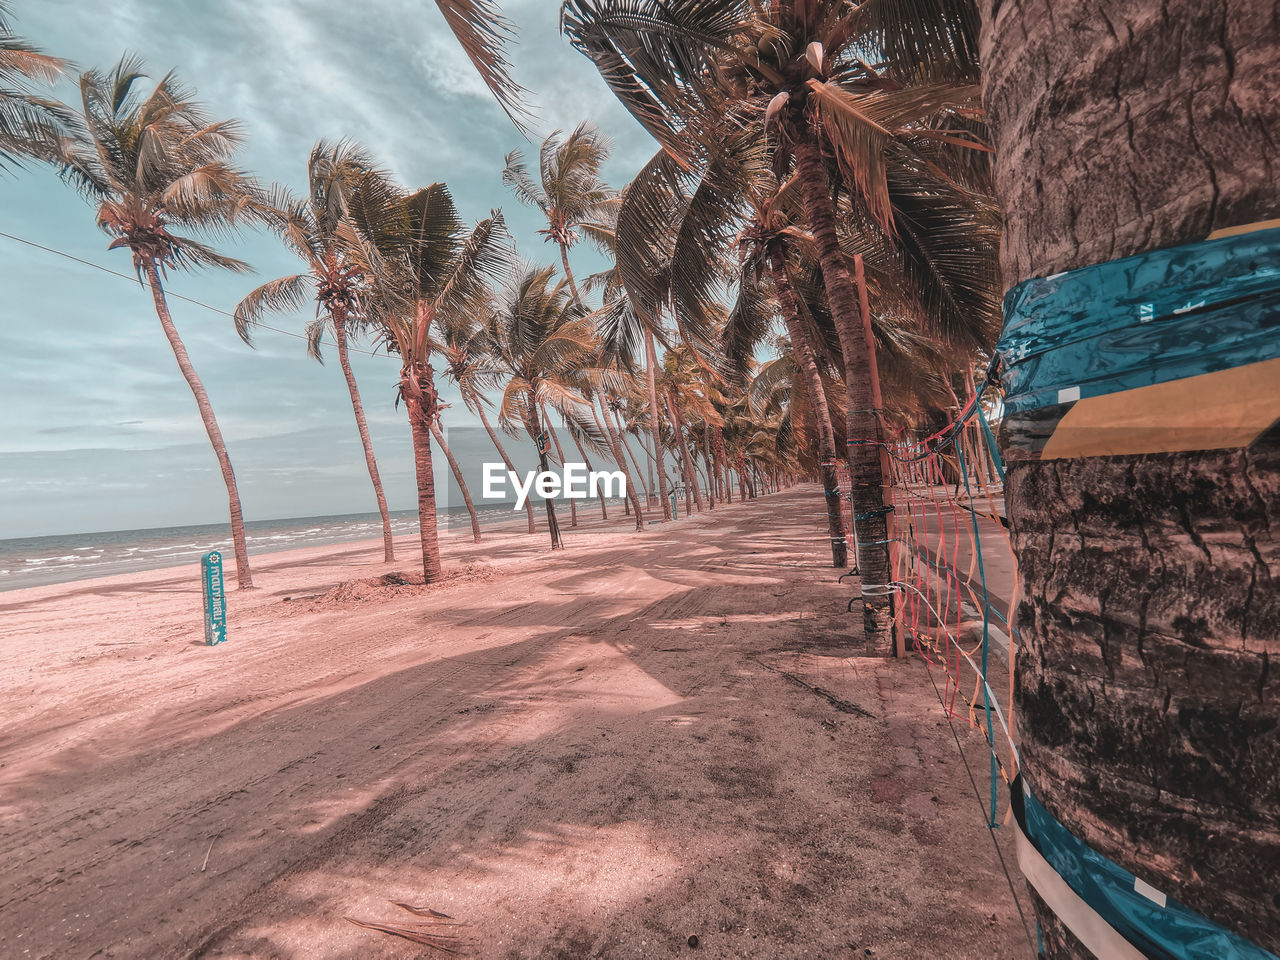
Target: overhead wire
{"points": [[177, 296]]}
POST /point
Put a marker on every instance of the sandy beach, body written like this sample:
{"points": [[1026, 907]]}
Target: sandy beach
{"points": [[644, 742]]}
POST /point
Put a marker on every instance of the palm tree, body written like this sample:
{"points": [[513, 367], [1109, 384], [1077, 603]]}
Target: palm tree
{"points": [[31, 125], [544, 343], [429, 274], [438, 435], [625, 324], [570, 192], [338, 175], [1147, 684], [795, 70], [468, 366], [152, 164]]}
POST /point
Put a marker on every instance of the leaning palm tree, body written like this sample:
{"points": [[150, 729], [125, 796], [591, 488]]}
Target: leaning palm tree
{"points": [[31, 125], [153, 163], [338, 175], [569, 192], [468, 365], [543, 341], [795, 74], [427, 273]]}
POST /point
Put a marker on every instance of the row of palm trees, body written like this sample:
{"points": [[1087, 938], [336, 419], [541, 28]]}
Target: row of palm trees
{"points": [[401, 268], [850, 134]]}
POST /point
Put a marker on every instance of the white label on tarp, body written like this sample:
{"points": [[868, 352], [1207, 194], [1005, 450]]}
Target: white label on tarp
{"points": [[1150, 892], [1068, 394]]}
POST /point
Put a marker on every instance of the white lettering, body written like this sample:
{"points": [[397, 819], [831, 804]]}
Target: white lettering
{"points": [[575, 482], [548, 485], [611, 481], [494, 473], [575, 474]]}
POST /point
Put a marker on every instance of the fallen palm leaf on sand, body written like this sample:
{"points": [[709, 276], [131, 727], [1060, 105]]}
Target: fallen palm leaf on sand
{"points": [[420, 932]]}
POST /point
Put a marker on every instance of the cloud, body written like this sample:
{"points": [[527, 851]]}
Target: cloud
{"points": [[100, 431]]}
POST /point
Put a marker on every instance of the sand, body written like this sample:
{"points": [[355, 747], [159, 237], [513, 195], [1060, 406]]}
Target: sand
{"points": [[603, 752]]}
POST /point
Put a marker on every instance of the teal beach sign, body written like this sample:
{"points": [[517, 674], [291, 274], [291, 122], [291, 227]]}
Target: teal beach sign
{"points": [[215, 601]]}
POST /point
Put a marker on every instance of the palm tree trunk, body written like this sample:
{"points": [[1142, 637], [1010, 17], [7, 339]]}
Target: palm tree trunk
{"points": [[528, 504], [604, 509], [863, 422], [691, 477], [710, 471], [420, 418], [568, 274], [631, 453], [655, 418], [438, 434], [722, 458], [1147, 687], [244, 576], [573, 508], [811, 381], [534, 428], [362, 427], [621, 458]]}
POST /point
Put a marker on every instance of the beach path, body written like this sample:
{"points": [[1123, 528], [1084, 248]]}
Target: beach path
{"points": [[643, 742]]}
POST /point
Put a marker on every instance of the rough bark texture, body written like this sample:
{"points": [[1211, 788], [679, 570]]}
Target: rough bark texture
{"points": [[862, 422], [528, 504], [1149, 700], [244, 577], [1148, 692], [362, 426], [1122, 127], [438, 434], [420, 428], [811, 380], [655, 419]]}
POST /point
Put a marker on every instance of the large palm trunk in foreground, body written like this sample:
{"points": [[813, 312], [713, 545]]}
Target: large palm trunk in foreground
{"points": [[811, 381], [863, 421], [438, 435], [244, 577], [344, 361], [1147, 686]]}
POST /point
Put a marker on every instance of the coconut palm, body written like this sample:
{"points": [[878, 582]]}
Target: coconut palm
{"points": [[428, 274], [31, 125], [1147, 685], [438, 435], [543, 342], [154, 163], [569, 191], [468, 364], [338, 175], [797, 70]]}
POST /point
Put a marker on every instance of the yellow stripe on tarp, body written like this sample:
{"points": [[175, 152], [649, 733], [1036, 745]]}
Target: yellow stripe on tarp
{"points": [[1212, 411]]}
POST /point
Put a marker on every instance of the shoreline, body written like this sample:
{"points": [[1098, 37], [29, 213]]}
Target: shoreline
{"points": [[447, 525]]}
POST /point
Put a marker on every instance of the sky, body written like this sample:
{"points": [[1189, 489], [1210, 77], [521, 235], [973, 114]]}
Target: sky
{"points": [[98, 430]]}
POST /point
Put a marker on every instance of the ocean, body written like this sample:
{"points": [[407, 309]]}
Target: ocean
{"points": [[37, 561]]}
